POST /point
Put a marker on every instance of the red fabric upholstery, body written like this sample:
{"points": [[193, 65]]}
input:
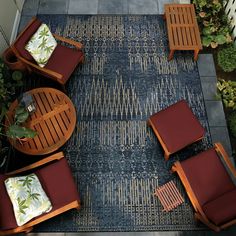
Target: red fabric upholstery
{"points": [[7, 217], [58, 183], [24, 38], [207, 176], [177, 126], [64, 60], [222, 209]]}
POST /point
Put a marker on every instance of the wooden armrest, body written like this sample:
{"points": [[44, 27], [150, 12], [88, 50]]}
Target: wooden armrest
{"points": [[180, 171], [58, 76], [70, 41], [47, 71], [44, 161], [220, 149]]}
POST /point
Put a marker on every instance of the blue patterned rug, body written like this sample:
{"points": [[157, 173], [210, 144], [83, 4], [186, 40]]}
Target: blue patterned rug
{"points": [[115, 158]]}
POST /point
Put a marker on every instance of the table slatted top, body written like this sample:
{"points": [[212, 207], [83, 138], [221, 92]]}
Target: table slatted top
{"points": [[54, 121], [169, 196], [182, 27]]}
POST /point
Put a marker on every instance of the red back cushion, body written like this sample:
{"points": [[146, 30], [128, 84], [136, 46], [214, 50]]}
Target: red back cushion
{"points": [[23, 39], [207, 176], [222, 209]]}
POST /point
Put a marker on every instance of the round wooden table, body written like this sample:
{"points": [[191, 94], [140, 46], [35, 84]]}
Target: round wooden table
{"points": [[54, 120]]}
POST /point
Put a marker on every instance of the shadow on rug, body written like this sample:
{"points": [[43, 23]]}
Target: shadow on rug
{"points": [[116, 160]]}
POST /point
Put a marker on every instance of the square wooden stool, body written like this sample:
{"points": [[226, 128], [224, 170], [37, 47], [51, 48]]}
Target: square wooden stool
{"points": [[176, 127], [169, 196]]}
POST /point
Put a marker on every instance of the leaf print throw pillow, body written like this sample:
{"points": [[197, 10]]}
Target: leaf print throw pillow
{"points": [[41, 45], [28, 197]]}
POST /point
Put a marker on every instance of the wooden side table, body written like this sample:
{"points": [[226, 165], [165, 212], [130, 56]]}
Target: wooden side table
{"points": [[54, 120], [169, 196], [182, 28]]}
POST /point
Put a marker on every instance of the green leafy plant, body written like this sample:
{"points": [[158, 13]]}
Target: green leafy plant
{"points": [[213, 22], [16, 129], [10, 81], [232, 123], [227, 92], [226, 58]]}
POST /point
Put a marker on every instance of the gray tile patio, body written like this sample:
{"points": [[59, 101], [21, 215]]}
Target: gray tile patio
{"points": [[214, 107], [113, 7], [53, 7], [206, 65], [83, 7], [143, 7], [30, 8], [209, 90], [215, 113]]}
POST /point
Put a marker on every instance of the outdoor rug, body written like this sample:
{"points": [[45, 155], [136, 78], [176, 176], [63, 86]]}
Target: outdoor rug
{"points": [[115, 157]]}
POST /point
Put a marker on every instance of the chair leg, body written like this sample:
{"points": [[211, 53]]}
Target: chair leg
{"points": [[64, 88], [196, 54], [166, 155], [171, 54]]}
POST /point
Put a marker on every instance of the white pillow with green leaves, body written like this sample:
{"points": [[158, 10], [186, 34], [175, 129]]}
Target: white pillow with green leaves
{"points": [[41, 45], [28, 197]]}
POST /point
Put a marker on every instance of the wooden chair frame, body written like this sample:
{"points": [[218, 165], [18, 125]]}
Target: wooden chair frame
{"points": [[199, 214], [29, 65], [167, 153], [26, 228]]}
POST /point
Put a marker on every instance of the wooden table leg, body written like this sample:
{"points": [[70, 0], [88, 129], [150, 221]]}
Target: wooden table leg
{"points": [[171, 54], [196, 51]]}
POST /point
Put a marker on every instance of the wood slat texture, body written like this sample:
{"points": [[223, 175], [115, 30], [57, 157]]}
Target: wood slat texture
{"points": [[169, 196], [54, 121], [182, 28]]}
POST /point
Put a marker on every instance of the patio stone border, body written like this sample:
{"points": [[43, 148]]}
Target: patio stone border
{"points": [[214, 107]]}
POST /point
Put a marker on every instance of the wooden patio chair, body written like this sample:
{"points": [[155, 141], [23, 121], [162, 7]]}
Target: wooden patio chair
{"points": [[62, 62], [210, 182], [57, 181]]}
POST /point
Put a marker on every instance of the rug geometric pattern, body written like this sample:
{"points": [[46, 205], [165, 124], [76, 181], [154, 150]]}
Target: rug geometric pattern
{"points": [[116, 159]]}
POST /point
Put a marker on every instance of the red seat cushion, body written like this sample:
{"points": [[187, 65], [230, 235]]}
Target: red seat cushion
{"points": [[23, 39], [177, 126], [207, 176], [64, 60], [222, 209], [58, 183]]}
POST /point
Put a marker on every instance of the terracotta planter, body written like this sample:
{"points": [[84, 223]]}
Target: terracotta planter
{"points": [[12, 61]]}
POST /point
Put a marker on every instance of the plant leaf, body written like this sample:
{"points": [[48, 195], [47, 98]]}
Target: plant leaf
{"points": [[220, 39]]}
